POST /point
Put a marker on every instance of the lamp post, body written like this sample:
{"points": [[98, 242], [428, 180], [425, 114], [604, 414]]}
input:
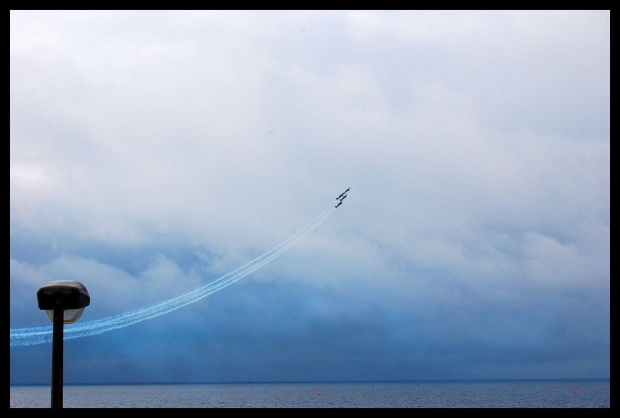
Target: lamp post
{"points": [[64, 301]]}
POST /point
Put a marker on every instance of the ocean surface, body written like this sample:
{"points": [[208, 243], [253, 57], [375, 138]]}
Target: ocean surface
{"points": [[461, 394]]}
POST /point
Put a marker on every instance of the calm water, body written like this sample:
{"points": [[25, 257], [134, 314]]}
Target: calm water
{"points": [[486, 394]]}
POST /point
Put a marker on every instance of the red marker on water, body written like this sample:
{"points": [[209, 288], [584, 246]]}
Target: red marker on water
{"points": [[318, 394]]}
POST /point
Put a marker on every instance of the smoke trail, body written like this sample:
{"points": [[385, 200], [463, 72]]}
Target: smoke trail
{"points": [[41, 335]]}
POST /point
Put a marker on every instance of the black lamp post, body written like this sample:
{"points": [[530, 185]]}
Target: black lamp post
{"points": [[64, 301]]}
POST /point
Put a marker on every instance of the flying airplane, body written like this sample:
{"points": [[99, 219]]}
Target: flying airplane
{"points": [[339, 203], [343, 197], [343, 193]]}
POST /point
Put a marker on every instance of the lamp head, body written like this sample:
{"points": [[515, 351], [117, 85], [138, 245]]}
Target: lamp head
{"points": [[71, 296]]}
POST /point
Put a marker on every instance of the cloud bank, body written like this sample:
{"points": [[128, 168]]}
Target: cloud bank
{"points": [[153, 151]]}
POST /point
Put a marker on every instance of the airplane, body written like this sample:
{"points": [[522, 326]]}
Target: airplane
{"points": [[343, 193], [339, 203], [343, 197]]}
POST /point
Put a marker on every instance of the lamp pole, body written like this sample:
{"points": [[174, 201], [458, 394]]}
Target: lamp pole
{"points": [[64, 301], [57, 357]]}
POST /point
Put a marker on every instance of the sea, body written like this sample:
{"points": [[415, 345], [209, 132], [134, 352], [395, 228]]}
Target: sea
{"points": [[591, 393]]}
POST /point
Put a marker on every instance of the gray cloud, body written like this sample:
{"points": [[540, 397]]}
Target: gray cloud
{"points": [[153, 152]]}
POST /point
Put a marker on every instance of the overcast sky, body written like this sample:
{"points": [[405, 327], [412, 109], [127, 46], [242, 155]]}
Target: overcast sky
{"points": [[153, 152]]}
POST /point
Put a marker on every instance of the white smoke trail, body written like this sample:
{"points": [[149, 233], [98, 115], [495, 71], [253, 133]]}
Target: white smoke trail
{"points": [[41, 335]]}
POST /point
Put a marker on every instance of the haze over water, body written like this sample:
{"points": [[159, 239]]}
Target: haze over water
{"points": [[484, 394]]}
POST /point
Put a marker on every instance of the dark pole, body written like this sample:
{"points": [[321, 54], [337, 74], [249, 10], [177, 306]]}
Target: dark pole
{"points": [[60, 297], [57, 348]]}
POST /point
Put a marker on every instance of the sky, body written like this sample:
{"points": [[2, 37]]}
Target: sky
{"points": [[153, 152]]}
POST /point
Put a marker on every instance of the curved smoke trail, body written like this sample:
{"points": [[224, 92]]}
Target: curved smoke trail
{"points": [[41, 335]]}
